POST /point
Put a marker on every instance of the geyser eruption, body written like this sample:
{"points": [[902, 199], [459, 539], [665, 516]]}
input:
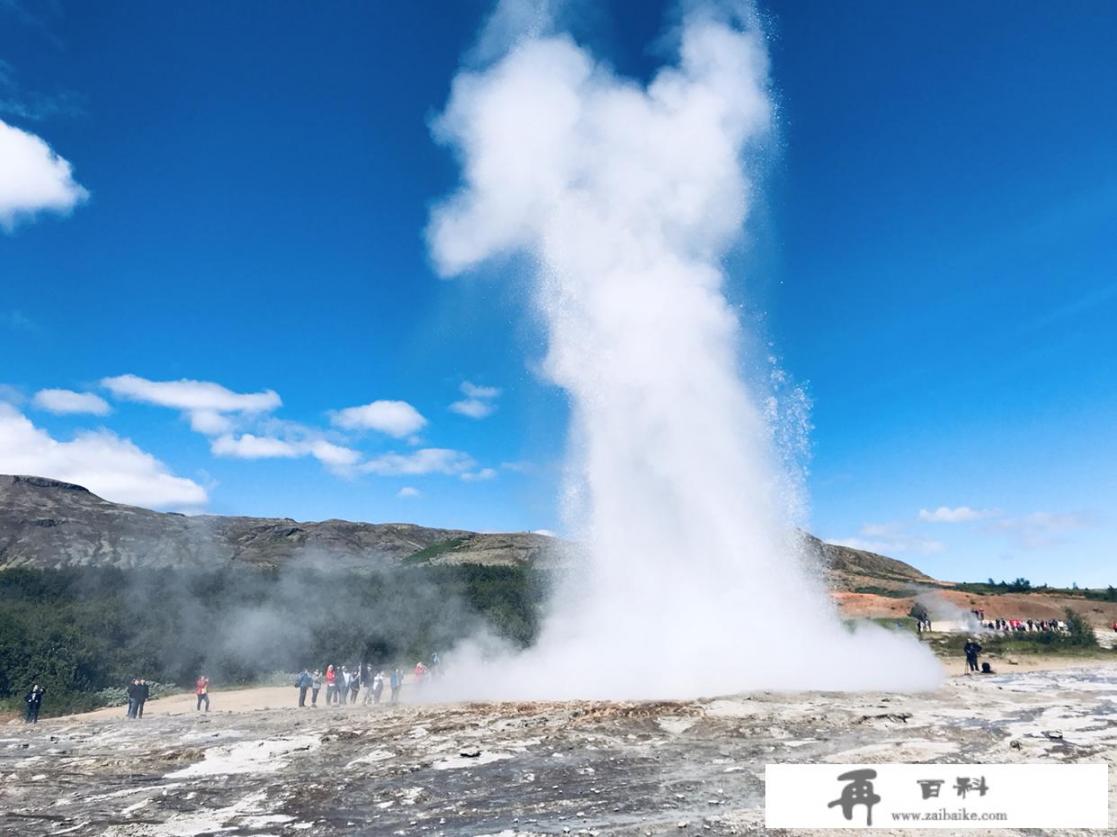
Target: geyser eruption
{"points": [[627, 199]]}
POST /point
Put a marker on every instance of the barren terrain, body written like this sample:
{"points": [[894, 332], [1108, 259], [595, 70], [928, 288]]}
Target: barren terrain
{"points": [[258, 765]]}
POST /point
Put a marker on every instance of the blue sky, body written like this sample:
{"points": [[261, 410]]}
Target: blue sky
{"points": [[934, 262]]}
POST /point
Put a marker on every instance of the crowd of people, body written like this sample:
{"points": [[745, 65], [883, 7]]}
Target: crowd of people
{"points": [[344, 684], [1027, 625]]}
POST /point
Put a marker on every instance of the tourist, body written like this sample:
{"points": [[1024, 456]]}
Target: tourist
{"points": [[331, 685], [971, 649], [144, 694], [343, 685], [421, 672], [133, 697], [436, 661], [304, 681], [377, 687], [395, 682], [355, 680], [34, 701], [201, 689], [315, 687]]}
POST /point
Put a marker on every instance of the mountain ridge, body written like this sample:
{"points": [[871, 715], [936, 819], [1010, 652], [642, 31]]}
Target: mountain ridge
{"points": [[46, 523]]}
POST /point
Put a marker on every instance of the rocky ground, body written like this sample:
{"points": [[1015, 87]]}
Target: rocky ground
{"points": [[516, 768]]}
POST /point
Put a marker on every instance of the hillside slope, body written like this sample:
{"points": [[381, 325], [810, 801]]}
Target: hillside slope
{"points": [[49, 524]]}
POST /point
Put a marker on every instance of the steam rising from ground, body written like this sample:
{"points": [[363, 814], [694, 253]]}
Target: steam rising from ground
{"points": [[627, 198]]}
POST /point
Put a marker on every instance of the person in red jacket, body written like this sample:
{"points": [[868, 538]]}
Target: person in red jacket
{"points": [[201, 689], [331, 685]]}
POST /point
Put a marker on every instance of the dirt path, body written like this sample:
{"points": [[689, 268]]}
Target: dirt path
{"points": [[236, 700]]}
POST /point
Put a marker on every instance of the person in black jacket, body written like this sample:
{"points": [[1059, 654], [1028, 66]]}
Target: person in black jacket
{"points": [[133, 697], [972, 649], [34, 701], [144, 694]]}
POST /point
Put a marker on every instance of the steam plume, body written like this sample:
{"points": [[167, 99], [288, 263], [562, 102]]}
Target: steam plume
{"points": [[627, 198]]}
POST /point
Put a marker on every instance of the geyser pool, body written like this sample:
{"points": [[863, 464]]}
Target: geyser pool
{"points": [[627, 198]]}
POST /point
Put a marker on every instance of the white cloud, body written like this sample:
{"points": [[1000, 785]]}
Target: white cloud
{"points": [[921, 546], [103, 462], [65, 401], [423, 461], [475, 391], [959, 514], [547, 533], [250, 446], [1039, 529], [408, 491], [190, 396], [334, 456], [478, 403], [210, 422], [889, 539], [473, 408], [479, 476], [395, 418], [205, 403], [33, 178]]}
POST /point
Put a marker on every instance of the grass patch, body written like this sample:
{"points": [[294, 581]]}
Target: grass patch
{"points": [[1078, 641], [890, 592], [429, 553]]}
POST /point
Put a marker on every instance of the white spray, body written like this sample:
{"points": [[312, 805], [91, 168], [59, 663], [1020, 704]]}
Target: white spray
{"points": [[627, 198]]}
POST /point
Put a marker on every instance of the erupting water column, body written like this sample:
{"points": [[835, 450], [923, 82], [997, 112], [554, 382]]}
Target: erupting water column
{"points": [[627, 198]]}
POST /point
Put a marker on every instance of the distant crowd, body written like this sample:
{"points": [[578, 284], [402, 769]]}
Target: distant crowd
{"points": [[1026, 625], [344, 684]]}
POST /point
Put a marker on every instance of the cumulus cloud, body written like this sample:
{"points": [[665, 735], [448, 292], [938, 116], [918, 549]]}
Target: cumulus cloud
{"points": [[208, 406], [33, 178], [106, 464], [959, 514], [394, 418], [190, 395], [250, 446], [409, 492], [479, 401], [66, 401], [423, 461]]}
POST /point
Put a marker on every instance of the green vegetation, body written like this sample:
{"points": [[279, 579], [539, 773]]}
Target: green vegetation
{"points": [[425, 555], [1109, 594], [1079, 639], [992, 588], [1023, 585], [890, 592], [84, 633]]}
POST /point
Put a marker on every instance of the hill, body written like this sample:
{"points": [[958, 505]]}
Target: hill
{"points": [[47, 524]]}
